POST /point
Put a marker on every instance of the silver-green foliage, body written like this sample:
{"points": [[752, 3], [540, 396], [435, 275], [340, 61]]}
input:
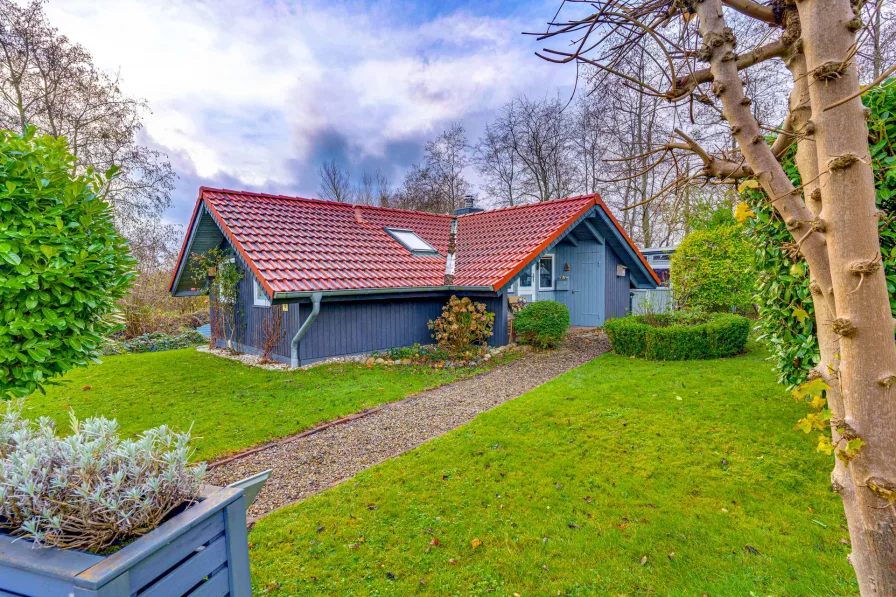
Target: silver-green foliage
{"points": [[91, 489]]}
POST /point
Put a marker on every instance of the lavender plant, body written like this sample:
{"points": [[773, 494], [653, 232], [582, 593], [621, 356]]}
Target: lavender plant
{"points": [[90, 490]]}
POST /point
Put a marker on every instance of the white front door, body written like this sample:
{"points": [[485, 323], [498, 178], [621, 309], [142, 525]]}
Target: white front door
{"points": [[526, 284]]}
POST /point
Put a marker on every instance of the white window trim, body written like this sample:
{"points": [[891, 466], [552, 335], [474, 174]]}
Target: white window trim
{"points": [[396, 234], [530, 287], [553, 272], [257, 301]]}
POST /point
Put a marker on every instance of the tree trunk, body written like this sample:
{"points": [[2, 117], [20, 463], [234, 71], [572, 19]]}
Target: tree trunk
{"points": [[837, 232], [828, 341], [863, 318]]}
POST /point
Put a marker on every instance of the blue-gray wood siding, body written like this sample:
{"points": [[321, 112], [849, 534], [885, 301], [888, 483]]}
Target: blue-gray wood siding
{"points": [[618, 299], [202, 551], [584, 296], [349, 326]]}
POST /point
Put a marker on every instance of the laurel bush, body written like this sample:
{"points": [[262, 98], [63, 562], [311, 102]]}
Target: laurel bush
{"points": [[786, 309], [62, 264]]}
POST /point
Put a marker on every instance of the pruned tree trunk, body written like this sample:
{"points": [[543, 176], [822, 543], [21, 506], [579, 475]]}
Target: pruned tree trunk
{"points": [[840, 243], [863, 319], [832, 216]]}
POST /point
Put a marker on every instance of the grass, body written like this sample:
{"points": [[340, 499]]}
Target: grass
{"points": [[230, 406], [694, 466]]}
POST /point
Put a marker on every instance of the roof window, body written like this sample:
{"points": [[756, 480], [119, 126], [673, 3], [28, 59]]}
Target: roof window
{"points": [[412, 242]]}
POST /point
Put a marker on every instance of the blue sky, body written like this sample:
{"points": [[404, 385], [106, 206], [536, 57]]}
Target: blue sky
{"points": [[256, 94]]}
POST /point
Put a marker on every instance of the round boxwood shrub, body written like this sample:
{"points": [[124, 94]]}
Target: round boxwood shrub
{"points": [[679, 336], [542, 323]]}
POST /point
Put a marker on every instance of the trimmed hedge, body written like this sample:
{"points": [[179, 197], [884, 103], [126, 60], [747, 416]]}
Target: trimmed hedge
{"points": [[679, 336], [542, 324]]}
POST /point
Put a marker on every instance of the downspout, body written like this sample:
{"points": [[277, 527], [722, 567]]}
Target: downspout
{"points": [[294, 348]]}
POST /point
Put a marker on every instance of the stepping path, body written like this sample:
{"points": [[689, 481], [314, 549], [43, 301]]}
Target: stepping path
{"points": [[312, 463]]}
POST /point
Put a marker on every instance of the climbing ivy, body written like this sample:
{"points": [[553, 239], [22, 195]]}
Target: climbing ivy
{"points": [[218, 267], [786, 311]]}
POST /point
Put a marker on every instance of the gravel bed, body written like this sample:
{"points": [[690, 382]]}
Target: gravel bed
{"points": [[316, 462]]}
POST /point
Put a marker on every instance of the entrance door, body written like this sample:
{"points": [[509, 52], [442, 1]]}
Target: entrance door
{"points": [[587, 284]]}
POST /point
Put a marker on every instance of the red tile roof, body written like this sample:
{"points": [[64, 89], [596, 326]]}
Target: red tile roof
{"points": [[301, 245]]}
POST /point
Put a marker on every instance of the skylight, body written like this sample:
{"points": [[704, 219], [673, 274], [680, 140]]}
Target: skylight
{"points": [[411, 241]]}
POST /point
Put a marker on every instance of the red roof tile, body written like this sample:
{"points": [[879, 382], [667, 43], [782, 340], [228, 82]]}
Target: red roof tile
{"points": [[301, 245]]}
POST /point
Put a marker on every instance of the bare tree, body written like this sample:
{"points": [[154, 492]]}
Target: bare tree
{"points": [[48, 82], [373, 188], [499, 165], [832, 216], [445, 159], [879, 50], [335, 182], [438, 184], [420, 190]]}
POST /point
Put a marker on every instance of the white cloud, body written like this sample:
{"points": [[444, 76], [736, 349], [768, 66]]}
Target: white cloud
{"points": [[244, 90]]}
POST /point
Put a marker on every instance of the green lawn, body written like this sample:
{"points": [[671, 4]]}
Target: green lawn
{"points": [[230, 406], [693, 465]]}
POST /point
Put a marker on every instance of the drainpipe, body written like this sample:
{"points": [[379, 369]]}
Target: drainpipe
{"points": [[315, 309]]}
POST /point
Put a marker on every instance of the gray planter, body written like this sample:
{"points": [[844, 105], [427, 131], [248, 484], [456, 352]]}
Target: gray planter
{"points": [[202, 552]]}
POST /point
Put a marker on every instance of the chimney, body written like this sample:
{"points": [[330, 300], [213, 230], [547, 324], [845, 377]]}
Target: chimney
{"points": [[452, 247], [468, 206]]}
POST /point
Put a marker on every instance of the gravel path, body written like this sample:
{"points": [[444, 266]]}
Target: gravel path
{"points": [[314, 463]]}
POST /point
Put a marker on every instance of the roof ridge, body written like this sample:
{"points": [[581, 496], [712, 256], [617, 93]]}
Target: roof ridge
{"points": [[591, 196], [326, 201]]}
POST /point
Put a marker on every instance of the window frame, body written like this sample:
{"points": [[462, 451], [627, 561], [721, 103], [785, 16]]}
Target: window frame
{"points": [[519, 282], [395, 232], [257, 301], [553, 272]]}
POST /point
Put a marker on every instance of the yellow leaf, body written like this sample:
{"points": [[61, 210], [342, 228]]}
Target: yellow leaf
{"points": [[817, 402], [750, 183], [824, 444], [800, 314], [742, 212], [476, 543], [810, 388]]}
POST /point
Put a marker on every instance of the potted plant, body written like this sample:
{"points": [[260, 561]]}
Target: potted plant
{"points": [[91, 514]]}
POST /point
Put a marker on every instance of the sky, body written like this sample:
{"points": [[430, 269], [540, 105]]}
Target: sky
{"points": [[256, 94]]}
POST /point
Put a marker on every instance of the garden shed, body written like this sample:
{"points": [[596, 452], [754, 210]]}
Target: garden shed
{"points": [[351, 279]]}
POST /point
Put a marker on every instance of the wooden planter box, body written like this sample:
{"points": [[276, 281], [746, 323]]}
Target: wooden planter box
{"points": [[202, 552]]}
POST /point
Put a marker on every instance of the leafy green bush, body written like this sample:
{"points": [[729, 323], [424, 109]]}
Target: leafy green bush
{"points": [[786, 310], [463, 326], [62, 265], [542, 323], [155, 342], [679, 336], [712, 270]]}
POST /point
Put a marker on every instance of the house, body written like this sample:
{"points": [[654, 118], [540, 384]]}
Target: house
{"points": [[658, 300], [660, 259], [352, 279]]}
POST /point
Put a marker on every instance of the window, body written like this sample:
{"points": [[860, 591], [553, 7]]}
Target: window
{"points": [[261, 299], [526, 278], [411, 241], [546, 273]]}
